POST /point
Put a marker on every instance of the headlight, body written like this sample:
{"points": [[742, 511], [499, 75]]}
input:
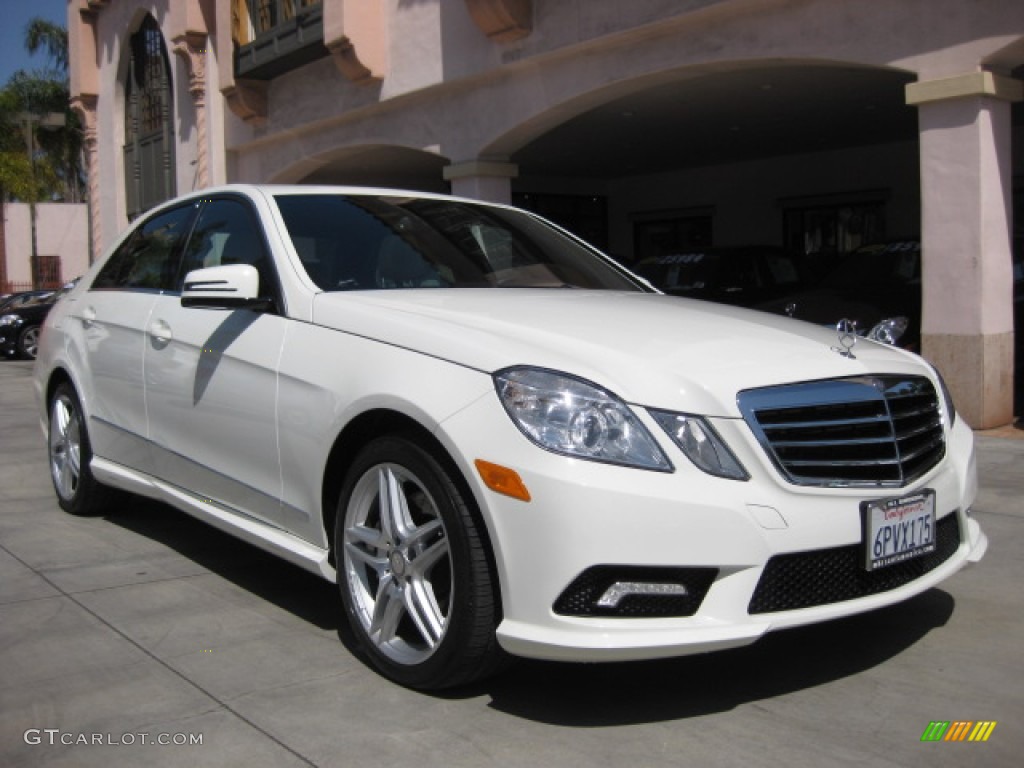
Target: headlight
{"points": [[947, 397], [889, 330], [566, 415], [10, 320], [701, 444]]}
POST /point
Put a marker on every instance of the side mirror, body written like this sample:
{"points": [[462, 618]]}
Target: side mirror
{"points": [[230, 286]]}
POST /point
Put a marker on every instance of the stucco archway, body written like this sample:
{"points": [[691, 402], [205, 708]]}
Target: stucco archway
{"points": [[377, 165]]}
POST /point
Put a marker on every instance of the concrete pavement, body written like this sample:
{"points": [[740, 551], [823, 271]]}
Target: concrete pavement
{"points": [[146, 626]]}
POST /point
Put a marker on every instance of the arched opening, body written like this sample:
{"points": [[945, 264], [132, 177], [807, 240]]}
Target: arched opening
{"points": [[812, 155], [148, 121], [371, 165]]}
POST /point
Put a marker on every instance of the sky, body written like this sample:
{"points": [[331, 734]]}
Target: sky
{"points": [[14, 17]]}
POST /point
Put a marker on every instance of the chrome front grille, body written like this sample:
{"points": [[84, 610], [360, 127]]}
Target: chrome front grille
{"points": [[866, 431]]}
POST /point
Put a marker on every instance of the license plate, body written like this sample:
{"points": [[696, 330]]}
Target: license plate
{"points": [[898, 529]]}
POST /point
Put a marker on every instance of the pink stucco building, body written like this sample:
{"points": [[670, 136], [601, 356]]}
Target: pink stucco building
{"points": [[62, 244], [815, 124]]}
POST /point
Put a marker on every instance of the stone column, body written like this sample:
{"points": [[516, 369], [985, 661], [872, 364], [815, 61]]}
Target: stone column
{"points": [[967, 319], [84, 106], [191, 47], [482, 180]]}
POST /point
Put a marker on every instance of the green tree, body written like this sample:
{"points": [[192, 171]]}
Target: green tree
{"points": [[41, 33], [58, 157], [53, 171]]}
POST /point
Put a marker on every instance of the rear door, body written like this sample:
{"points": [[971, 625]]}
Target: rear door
{"points": [[108, 334]]}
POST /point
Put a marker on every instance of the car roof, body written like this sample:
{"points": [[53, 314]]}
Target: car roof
{"points": [[267, 191]]}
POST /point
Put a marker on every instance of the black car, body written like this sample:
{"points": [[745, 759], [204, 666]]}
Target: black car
{"points": [[878, 287], [739, 275], [11, 301], [21, 320]]}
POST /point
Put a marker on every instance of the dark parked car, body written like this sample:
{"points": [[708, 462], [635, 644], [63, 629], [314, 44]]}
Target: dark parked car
{"points": [[21, 319], [879, 288], [876, 286], [741, 275], [9, 302]]}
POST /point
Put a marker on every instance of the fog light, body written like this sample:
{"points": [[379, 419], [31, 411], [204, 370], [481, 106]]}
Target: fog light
{"points": [[636, 591], [623, 589]]}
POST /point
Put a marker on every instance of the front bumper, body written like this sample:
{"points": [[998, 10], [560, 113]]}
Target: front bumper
{"points": [[9, 339], [584, 514]]}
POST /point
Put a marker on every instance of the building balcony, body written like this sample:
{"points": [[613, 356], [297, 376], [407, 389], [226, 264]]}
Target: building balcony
{"points": [[276, 36]]}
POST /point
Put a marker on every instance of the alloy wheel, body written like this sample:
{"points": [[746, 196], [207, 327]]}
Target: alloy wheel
{"points": [[398, 564], [65, 447], [29, 343]]}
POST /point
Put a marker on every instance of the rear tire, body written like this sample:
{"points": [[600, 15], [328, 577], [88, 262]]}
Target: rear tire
{"points": [[413, 569], [70, 453]]}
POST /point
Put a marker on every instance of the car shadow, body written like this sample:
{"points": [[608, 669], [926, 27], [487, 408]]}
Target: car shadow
{"points": [[234, 325], [267, 576], [581, 695], [625, 693]]}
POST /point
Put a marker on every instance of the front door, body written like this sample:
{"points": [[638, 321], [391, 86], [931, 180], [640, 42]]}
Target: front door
{"points": [[211, 377]]}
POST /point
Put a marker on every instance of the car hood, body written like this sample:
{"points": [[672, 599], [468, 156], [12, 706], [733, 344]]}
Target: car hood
{"points": [[32, 313], [649, 349]]}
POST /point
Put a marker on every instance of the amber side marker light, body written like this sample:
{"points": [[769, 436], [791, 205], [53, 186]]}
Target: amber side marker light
{"points": [[502, 480]]}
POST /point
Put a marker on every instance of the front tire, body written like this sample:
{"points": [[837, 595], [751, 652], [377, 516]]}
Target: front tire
{"points": [[70, 452], [28, 343], [413, 569]]}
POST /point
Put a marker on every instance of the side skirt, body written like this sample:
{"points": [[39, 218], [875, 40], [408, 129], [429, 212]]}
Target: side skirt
{"points": [[273, 540]]}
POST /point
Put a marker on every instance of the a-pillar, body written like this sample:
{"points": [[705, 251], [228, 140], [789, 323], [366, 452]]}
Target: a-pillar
{"points": [[967, 318], [482, 180]]}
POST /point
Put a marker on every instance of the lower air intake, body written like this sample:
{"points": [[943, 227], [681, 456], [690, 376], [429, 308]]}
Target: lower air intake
{"points": [[822, 577]]}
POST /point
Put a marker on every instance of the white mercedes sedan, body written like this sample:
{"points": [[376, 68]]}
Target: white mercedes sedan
{"points": [[495, 440]]}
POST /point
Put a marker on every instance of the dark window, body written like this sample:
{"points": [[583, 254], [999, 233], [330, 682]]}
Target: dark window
{"points": [[276, 36], [48, 270], [834, 229], [226, 232], [656, 237], [147, 260], [267, 14], [367, 242], [148, 122]]}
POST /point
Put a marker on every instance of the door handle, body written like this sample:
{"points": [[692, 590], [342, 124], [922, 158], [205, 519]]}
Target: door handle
{"points": [[88, 317], [160, 332]]}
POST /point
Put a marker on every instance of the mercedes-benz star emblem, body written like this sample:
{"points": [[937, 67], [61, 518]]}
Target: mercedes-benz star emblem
{"points": [[847, 330]]}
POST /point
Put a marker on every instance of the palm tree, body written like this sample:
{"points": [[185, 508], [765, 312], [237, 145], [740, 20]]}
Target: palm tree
{"points": [[58, 148], [51, 93], [41, 33], [54, 170]]}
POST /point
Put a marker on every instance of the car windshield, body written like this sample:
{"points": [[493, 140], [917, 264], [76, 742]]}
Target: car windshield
{"points": [[725, 270], [886, 264], [365, 242], [683, 271], [25, 300]]}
